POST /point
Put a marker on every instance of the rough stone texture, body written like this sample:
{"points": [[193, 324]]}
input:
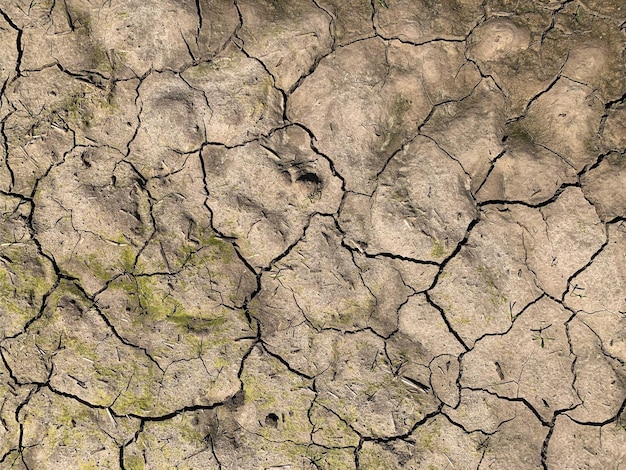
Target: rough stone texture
{"points": [[312, 234]]}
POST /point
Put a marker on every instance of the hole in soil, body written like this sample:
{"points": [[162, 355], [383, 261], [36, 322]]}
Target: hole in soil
{"points": [[271, 420], [309, 178]]}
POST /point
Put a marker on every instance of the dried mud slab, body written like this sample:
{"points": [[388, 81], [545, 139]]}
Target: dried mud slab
{"points": [[417, 22], [478, 116], [525, 173], [123, 39], [519, 55], [73, 219], [274, 423], [518, 442], [565, 120], [488, 283], [13, 399], [180, 229], [601, 445], [183, 441], [345, 302], [412, 354], [362, 387], [321, 290], [596, 47], [26, 276], [81, 435], [48, 113], [572, 234], [508, 365], [614, 130], [604, 186], [351, 20], [437, 442], [363, 103], [174, 118], [600, 303], [420, 209], [240, 95], [595, 365], [71, 347], [10, 52], [313, 234], [195, 335], [444, 375], [288, 37], [267, 220]]}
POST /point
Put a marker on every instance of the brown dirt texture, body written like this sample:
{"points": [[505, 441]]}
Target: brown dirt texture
{"points": [[312, 234]]}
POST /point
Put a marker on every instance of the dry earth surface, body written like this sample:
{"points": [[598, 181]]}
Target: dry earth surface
{"points": [[312, 234]]}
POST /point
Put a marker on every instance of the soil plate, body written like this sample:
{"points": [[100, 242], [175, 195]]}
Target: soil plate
{"points": [[312, 234]]}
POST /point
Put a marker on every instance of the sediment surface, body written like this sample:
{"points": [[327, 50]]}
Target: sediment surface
{"points": [[312, 234]]}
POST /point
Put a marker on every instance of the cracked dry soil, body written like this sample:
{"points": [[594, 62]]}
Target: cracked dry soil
{"points": [[312, 234]]}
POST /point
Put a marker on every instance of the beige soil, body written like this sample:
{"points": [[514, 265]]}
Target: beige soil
{"points": [[312, 234]]}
